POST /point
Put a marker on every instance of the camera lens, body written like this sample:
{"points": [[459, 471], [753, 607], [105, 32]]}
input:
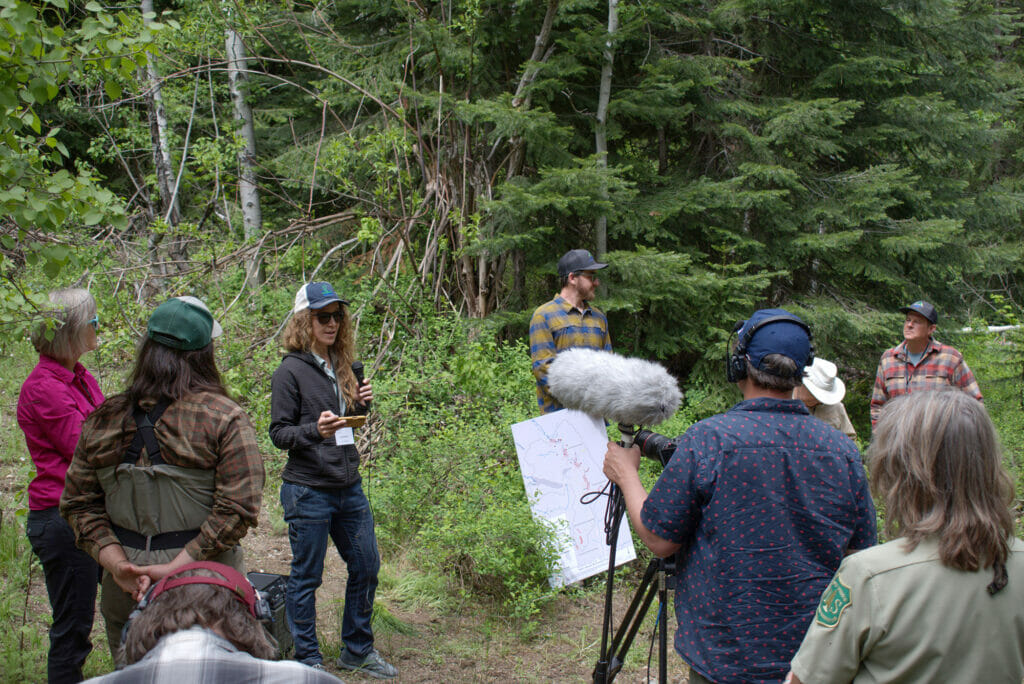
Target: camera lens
{"points": [[653, 445]]}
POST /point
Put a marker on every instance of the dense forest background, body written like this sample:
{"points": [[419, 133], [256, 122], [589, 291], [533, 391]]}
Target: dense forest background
{"points": [[839, 158], [434, 159]]}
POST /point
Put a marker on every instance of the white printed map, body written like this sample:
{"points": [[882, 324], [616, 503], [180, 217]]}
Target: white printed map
{"points": [[560, 456]]}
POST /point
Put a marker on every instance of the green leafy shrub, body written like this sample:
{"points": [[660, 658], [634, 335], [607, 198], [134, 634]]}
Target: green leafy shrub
{"points": [[443, 477], [23, 645]]}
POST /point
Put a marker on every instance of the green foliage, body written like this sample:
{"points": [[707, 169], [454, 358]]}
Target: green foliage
{"points": [[22, 637], [444, 479], [42, 48], [997, 360]]}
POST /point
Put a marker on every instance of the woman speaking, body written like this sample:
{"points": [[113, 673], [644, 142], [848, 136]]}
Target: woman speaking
{"points": [[315, 394]]}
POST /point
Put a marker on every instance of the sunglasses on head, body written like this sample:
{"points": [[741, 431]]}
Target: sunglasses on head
{"points": [[325, 316]]}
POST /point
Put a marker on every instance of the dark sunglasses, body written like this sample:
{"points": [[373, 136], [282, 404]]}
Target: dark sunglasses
{"points": [[95, 322], [325, 317]]}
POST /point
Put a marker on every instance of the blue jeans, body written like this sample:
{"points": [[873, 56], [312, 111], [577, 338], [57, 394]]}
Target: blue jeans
{"points": [[344, 516], [71, 579]]}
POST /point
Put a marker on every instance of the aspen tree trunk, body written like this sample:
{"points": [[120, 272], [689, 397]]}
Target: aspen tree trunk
{"points": [[169, 207], [158, 130], [252, 217], [601, 129]]}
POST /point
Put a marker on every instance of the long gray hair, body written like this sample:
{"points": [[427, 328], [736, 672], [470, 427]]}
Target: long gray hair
{"points": [[936, 465]]}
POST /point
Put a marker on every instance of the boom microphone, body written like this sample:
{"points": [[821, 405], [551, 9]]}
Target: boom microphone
{"points": [[619, 389]]}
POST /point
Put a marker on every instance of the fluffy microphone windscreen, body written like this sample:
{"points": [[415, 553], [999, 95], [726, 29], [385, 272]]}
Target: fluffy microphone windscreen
{"points": [[616, 388]]}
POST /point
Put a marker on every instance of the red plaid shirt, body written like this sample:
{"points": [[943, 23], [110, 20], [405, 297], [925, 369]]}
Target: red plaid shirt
{"points": [[941, 365]]}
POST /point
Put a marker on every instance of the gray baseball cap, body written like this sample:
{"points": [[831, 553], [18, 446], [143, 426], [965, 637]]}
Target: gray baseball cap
{"points": [[577, 260]]}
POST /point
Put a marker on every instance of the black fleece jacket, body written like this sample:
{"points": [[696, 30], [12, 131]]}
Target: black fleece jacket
{"points": [[300, 392]]}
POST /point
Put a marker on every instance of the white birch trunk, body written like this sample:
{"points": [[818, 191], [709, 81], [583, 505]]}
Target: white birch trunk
{"points": [[252, 217], [158, 126], [601, 129]]}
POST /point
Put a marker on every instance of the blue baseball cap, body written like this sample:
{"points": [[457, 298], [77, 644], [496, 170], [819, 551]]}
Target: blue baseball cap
{"points": [[786, 337], [315, 296]]}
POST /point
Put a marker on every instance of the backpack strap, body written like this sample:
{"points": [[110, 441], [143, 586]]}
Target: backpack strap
{"points": [[145, 435]]}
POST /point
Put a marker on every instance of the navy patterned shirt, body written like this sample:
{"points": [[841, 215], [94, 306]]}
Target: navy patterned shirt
{"points": [[765, 500]]}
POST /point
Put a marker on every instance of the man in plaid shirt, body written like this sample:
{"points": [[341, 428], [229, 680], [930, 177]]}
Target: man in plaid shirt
{"points": [[567, 321], [919, 363]]}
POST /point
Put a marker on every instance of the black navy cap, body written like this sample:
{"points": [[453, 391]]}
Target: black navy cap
{"points": [[924, 308]]}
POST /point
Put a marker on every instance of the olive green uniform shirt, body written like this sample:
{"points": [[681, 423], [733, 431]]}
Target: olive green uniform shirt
{"points": [[894, 616]]}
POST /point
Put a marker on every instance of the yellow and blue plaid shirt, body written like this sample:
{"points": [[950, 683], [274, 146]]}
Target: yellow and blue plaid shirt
{"points": [[556, 326]]}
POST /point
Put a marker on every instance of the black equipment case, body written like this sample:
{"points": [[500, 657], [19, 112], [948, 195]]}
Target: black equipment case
{"points": [[273, 588]]}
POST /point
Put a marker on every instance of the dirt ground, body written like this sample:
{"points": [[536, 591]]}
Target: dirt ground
{"points": [[464, 644], [467, 646]]}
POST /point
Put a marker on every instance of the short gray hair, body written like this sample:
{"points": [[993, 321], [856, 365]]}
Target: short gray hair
{"points": [[72, 310]]}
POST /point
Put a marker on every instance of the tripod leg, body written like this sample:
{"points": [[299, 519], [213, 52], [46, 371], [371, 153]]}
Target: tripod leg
{"points": [[633, 619], [613, 656], [654, 583], [618, 504], [662, 626]]}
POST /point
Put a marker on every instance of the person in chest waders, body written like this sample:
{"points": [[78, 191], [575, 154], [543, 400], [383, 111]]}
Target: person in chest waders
{"points": [[167, 472]]}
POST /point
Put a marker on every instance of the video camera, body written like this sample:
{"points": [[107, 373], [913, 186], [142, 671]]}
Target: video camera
{"points": [[655, 446]]}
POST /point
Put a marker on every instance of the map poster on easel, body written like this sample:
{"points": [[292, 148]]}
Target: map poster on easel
{"points": [[560, 456]]}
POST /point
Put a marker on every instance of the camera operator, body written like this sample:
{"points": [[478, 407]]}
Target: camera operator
{"points": [[763, 502]]}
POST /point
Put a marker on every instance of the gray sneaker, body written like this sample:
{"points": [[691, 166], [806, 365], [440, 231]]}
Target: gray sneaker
{"points": [[372, 664]]}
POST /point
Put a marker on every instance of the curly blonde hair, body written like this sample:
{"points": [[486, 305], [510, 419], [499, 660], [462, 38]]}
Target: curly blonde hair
{"points": [[298, 337]]}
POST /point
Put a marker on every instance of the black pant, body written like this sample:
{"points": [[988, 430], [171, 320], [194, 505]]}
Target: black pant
{"points": [[71, 578]]}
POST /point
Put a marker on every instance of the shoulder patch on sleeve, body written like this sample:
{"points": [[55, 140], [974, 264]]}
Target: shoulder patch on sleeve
{"points": [[833, 602]]}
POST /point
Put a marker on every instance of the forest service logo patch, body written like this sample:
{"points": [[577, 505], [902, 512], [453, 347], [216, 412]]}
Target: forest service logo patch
{"points": [[833, 602]]}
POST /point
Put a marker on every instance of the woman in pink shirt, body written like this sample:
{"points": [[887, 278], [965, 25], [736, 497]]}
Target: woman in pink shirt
{"points": [[54, 401]]}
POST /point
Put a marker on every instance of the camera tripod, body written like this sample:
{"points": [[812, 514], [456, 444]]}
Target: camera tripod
{"points": [[656, 580], [658, 576]]}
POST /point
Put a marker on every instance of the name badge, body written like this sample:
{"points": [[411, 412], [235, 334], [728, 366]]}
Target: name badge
{"points": [[344, 436]]}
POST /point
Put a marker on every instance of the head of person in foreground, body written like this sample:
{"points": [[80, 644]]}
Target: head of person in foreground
{"points": [[204, 594], [937, 469]]}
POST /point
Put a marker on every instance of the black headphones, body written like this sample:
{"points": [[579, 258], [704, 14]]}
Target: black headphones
{"points": [[736, 362], [232, 579]]}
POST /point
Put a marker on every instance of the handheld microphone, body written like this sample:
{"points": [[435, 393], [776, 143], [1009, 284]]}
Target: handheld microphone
{"points": [[622, 390], [357, 370]]}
